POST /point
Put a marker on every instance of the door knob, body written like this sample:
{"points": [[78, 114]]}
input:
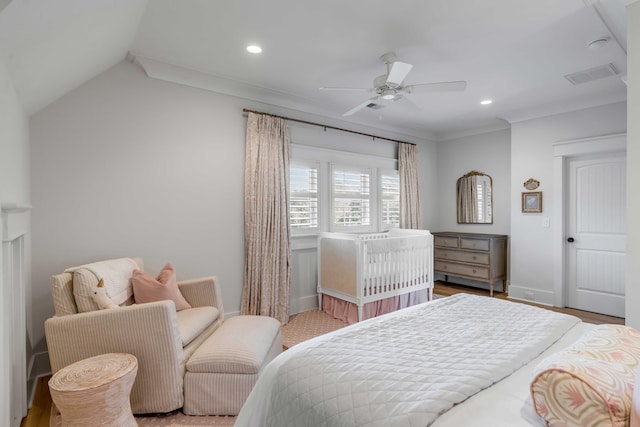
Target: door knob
{"points": [[570, 240]]}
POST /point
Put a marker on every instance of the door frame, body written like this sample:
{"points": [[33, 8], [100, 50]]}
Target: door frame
{"points": [[562, 151]]}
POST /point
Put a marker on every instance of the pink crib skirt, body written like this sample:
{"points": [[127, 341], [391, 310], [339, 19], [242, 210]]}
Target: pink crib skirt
{"points": [[348, 311]]}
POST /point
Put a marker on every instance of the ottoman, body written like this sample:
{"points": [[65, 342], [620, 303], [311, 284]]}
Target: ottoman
{"points": [[223, 370]]}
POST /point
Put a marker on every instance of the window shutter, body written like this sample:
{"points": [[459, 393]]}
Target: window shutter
{"points": [[303, 200], [390, 199], [351, 199]]}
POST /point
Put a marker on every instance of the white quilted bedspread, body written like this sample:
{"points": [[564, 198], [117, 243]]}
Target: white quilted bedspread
{"points": [[407, 368]]}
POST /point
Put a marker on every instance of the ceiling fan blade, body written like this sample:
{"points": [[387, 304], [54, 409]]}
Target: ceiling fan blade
{"points": [[359, 107], [407, 101], [398, 72], [457, 86], [351, 89]]}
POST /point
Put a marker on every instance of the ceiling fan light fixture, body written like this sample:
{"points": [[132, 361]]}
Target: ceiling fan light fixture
{"points": [[388, 94], [390, 87], [253, 48]]}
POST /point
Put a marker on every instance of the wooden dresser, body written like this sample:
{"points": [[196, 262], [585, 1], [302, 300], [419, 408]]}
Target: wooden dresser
{"points": [[480, 257]]}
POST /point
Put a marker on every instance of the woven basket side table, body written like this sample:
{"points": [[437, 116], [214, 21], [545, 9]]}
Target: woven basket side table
{"points": [[95, 391]]}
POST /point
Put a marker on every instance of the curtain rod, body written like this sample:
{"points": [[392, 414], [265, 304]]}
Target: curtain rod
{"points": [[245, 110]]}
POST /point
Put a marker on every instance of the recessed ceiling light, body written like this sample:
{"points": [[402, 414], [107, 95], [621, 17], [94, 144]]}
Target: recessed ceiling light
{"points": [[598, 42], [252, 48], [486, 102]]}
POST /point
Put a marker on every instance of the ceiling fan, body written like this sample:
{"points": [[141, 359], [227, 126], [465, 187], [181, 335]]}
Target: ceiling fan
{"points": [[390, 87]]}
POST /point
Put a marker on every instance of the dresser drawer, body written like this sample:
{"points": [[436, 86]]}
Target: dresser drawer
{"points": [[447, 242], [477, 244], [461, 270], [478, 258]]}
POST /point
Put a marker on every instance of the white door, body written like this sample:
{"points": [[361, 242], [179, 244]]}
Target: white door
{"points": [[596, 233]]}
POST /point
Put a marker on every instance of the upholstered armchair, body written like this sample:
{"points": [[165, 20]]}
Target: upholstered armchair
{"points": [[161, 338]]}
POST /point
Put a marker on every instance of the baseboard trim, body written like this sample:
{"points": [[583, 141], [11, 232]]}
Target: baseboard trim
{"points": [[299, 305], [38, 367], [307, 303], [229, 314], [532, 295], [302, 304]]}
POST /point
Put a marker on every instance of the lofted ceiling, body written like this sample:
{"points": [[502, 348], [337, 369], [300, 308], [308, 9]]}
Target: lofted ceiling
{"points": [[514, 52]]}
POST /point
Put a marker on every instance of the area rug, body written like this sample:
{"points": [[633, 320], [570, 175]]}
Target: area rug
{"points": [[178, 419], [310, 324], [307, 325], [172, 419]]}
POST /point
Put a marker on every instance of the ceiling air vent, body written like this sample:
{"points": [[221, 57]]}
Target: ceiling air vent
{"points": [[374, 106], [592, 74]]}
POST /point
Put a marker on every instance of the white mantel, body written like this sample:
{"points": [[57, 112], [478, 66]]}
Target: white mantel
{"points": [[15, 224]]}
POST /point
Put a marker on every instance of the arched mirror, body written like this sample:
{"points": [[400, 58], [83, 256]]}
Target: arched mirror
{"points": [[474, 199]]}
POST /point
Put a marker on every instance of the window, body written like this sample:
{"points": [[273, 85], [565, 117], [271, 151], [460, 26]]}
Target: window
{"points": [[331, 190], [389, 199], [351, 199], [303, 197]]}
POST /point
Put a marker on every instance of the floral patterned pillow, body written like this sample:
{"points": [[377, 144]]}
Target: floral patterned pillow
{"points": [[590, 383]]}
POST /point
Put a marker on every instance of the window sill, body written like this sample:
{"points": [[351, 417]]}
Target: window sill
{"points": [[304, 241]]}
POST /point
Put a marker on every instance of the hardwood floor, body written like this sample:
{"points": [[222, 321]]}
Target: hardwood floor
{"points": [[40, 411], [447, 289], [38, 415]]}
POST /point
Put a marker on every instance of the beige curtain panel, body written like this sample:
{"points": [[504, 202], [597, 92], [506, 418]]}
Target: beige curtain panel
{"points": [[410, 208], [467, 201], [266, 212]]}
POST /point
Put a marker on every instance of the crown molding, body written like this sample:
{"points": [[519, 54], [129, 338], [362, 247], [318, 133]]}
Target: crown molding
{"points": [[450, 136], [161, 70], [546, 111]]}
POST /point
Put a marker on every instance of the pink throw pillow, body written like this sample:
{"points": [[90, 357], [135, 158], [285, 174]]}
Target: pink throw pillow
{"points": [[164, 287]]}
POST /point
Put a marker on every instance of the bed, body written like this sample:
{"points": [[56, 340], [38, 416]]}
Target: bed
{"points": [[365, 275], [459, 361]]}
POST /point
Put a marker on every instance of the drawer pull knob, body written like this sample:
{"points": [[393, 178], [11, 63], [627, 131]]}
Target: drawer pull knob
{"points": [[474, 257], [474, 270]]}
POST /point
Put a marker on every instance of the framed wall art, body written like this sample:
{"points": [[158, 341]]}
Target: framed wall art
{"points": [[532, 201]]}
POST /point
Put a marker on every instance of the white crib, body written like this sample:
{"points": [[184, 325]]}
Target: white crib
{"points": [[363, 268]]}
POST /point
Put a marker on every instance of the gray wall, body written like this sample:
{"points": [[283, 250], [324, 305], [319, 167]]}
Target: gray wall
{"points": [[489, 153], [127, 165], [531, 254]]}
